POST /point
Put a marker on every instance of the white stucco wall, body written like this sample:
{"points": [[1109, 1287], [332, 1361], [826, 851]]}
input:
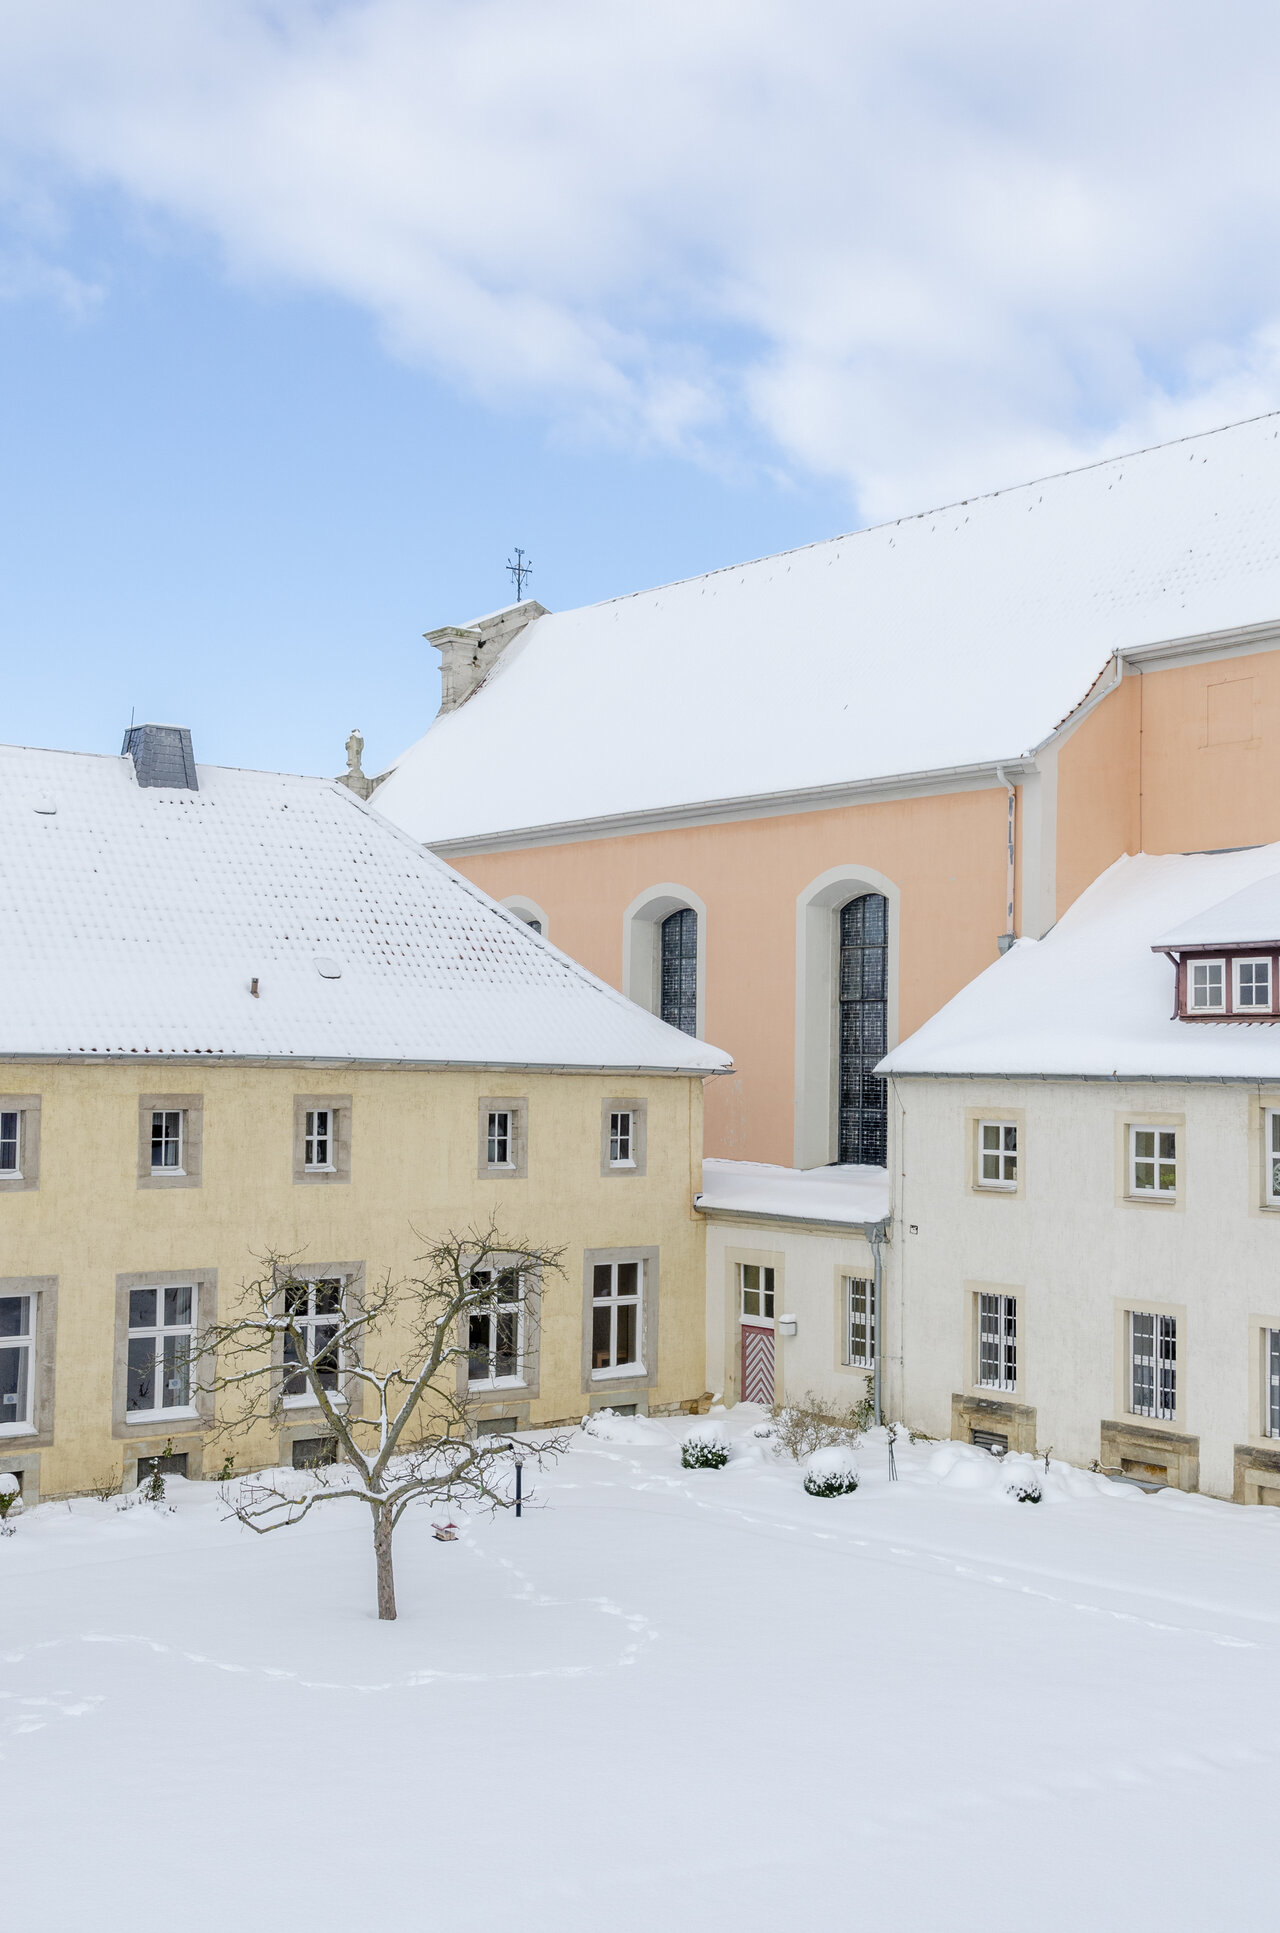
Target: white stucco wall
{"points": [[1078, 1255], [809, 1264]]}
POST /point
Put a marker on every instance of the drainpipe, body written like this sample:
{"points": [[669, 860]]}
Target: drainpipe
{"points": [[876, 1236], [1007, 938]]}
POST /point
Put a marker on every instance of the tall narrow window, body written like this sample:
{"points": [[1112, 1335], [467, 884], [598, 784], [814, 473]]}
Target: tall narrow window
{"points": [[318, 1141], [1270, 1380], [997, 1342], [620, 1155], [755, 1284], [864, 933], [11, 1146], [161, 1338], [860, 1312], [499, 1138], [166, 1141], [495, 1339], [616, 1289], [678, 1005], [1153, 1359], [316, 1309], [16, 1312]]}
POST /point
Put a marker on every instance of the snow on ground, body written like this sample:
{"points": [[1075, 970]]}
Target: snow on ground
{"points": [[663, 1698]]}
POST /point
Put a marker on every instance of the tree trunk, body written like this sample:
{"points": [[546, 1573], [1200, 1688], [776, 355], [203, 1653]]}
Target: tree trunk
{"points": [[382, 1552]]}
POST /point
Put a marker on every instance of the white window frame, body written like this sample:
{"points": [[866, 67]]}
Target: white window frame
{"points": [[1249, 1006], [997, 1340], [860, 1322], [1271, 1382], [11, 1422], [160, 1333], [1271, 1157], [1157, 1159], [163, 1115], [315, 1136], [762, 1316], [308, 1322], [613, 1302], [1206, 1006], [13, 1173], [491, 1314], [622, 1138], [500, 1137], [1005, 1152], [1153, 1358]]}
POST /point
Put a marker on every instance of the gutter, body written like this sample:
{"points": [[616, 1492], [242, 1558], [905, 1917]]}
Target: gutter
{"points": [[878, 1237], [762, 1215], [197, 1058]]}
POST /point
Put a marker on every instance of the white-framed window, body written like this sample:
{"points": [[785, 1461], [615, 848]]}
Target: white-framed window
{"points": [[860, 1320], [997, 1154], [17, 1339], [11, 1145], [316, 1308], [162, 1327], [1153, 1162], [166, 1141], [317, 1141], [1206, 986], [997, 1341], [1271, 1157], [1270, 1382], [1253, 986], [755, 1291], [495, 1333], [621, 1138], [499, 1138], [1153, 1365], [617, 1289]]}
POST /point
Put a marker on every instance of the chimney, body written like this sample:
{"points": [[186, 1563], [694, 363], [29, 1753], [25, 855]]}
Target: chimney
{"points": [[469, 652], [162, 755]]}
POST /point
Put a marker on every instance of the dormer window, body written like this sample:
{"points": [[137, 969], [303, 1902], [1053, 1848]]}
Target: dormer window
{"points": [[1207, 986], [1253, 986]]}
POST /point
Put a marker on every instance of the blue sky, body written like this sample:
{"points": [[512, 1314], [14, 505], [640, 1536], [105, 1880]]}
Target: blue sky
{"points": [[310, 310]]}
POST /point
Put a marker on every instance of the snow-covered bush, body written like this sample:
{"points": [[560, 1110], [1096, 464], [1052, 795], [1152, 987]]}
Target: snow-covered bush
{"points": [[705, 1447], [1025, 1492], [831, 1472], [10, 1502]]}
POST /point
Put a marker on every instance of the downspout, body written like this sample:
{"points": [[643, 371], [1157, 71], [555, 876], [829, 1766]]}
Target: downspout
{"points": [[1006, 939], [876, 1236]]}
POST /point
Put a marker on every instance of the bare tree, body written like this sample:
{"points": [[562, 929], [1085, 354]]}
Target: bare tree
{"points": [[383, 1371]]}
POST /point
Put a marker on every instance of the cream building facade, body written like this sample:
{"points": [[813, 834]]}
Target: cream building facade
{"points": [[246, 1017]]}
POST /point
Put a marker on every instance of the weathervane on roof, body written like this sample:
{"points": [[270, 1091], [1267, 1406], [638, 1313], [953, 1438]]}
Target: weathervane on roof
{"points": [[519, 571]]}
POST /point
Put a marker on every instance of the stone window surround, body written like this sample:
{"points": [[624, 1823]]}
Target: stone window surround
{"points": [[340, 1107], [1262, 1102], [517, 1106], [1123, 1306], [1135, 1439], [1259, 1383], [186, 1426], [304, 1417], [973, 1118], [28, 1106], [506, 1399], [191, 1107], [642, 946], [1126, 1118], [610, 1382], [817, 1084], [865, 1271], [988, 1411], [973, 1388], [44, 1288], [639, 1112]]}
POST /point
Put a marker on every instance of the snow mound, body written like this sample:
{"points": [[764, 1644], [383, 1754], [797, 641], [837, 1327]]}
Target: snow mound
{"points": [[609, 1427], [712, 1434], [961, 1466]]}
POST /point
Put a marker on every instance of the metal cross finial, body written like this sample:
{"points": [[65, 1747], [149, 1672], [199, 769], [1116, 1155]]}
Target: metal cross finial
{"points": [[519, 571]]}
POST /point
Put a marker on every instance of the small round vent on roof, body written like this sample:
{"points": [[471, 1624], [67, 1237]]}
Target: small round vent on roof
{"points": [[327, 969], [46, 803]]}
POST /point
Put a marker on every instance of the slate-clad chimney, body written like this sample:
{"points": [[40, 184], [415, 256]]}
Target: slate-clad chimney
{"points": [[162, 755]]}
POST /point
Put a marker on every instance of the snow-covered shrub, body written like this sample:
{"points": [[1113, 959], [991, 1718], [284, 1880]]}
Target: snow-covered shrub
{"points": [[831, 1472], [10, 1502], [705, 1448], [1025, 1492], [609, 1427]]}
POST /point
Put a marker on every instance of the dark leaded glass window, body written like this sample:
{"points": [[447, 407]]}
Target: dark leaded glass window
{"points": [[680, 970], [864, 933]]}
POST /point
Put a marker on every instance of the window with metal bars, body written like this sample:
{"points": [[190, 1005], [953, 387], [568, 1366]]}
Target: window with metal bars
{"points": [[1153, 1365], [863, 1110], [1271, 1381], [860, 1318], [678, 999], [997, 1341]]}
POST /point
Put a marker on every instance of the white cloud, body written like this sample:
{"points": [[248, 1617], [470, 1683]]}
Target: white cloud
{"points": [[921, 247]]}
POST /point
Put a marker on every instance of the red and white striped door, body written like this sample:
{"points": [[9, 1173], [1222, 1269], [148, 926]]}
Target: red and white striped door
{"points": [[757, 1365]]}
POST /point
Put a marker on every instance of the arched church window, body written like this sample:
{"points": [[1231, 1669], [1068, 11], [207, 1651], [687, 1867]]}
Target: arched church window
{"points": [[679, 986], [864, 1121]]}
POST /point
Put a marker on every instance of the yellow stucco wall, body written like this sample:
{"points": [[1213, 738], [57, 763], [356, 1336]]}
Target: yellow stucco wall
{"points": [[414, 1152]]}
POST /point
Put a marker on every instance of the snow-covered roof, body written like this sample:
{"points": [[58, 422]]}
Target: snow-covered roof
{"points": [[135, 919], [1250, 917], [1092, 998], [954, 638], [852, 1195]]}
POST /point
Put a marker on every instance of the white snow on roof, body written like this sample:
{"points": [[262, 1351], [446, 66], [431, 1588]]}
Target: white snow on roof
{"points": [[134, 920], [1092, 997], [840, 1194], [957, 637], [1250, 917]]}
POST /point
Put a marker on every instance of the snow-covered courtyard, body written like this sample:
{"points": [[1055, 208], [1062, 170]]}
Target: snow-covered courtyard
{"points": [[662, 1698]]}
